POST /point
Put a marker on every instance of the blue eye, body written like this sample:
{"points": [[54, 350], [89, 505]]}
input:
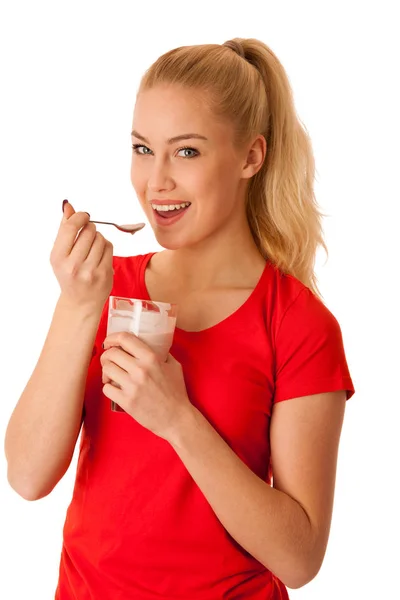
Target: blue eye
{"points": [[135, 148]]}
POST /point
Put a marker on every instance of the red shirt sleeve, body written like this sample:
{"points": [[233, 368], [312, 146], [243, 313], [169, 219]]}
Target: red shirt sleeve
{"points": [[310, 357]]}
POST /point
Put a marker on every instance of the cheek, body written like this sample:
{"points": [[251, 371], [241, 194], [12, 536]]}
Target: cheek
{"points": [[201, 180], [220, 184]]}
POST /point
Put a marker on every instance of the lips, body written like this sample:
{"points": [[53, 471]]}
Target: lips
{"points": [[171, 213], [170, 217]]}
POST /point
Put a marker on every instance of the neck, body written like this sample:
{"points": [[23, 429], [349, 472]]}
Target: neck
{"points": [[216, 262]]}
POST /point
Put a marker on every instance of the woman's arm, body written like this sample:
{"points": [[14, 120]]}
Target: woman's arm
{"points": [[44, 426], [286, 527]]}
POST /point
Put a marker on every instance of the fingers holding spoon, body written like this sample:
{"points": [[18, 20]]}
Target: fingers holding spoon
{"points": [[130, 228]]}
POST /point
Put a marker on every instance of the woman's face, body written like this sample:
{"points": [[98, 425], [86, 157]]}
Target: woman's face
{"points": [[209, 173]]}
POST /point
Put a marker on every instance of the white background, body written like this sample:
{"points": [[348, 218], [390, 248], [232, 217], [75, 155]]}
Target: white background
{"points": [[69, 74]]}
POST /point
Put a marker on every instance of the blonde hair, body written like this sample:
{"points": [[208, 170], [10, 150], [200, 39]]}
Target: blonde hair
{"points": [[245, 82]]}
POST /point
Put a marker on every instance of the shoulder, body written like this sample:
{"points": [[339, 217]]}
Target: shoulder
{"points": [[308, 342], [123, 262], [128, 266], [129, 274], [295, 304]]}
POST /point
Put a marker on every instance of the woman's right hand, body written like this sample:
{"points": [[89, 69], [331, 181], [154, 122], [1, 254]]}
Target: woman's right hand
{"points": [[81, 259]]}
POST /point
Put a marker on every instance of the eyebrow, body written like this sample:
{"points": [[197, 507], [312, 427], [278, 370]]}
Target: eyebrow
{"points": [[178, 138]]}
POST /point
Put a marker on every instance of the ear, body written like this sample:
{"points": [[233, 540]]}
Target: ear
{"points": [[255, 157]]}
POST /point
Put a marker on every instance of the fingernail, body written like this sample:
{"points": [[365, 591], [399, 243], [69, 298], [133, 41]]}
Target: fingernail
{"points": [[88, 214], [63, 204]]}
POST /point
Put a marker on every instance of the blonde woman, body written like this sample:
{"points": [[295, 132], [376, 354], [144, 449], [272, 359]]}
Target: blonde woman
{"points": [[217, 482]]}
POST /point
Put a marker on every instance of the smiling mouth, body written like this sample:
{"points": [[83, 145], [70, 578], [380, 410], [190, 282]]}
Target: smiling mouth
{"points": [[165, 214]]}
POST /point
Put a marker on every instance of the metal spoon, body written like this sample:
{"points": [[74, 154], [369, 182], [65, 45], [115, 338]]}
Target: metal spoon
{"points": [[125, 228]]}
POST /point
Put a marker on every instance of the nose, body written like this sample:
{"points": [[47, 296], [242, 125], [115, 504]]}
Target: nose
{"points": [[160, 178]]}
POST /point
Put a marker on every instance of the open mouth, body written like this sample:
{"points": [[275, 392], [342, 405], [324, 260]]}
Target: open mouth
{"points": [[171, 213], [165, 217]]}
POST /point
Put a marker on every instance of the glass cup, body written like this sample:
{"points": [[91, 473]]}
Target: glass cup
{"points": [[153, 323]]}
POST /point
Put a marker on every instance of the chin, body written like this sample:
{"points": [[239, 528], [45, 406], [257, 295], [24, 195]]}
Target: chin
{"points": [[171, 240], [173, 244]]}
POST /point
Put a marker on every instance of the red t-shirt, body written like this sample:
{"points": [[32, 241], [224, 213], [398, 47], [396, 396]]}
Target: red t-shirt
{"points": [[138, 526]]}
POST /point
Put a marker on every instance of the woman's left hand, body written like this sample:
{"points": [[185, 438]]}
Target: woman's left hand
{"points": [[152, 392]]}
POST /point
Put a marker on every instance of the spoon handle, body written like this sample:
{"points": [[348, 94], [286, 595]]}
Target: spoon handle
{"points": [[102, 222], [126, 228]]}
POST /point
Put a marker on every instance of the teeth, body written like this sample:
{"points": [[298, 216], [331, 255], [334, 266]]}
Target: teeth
{"points": [[167, 207]]}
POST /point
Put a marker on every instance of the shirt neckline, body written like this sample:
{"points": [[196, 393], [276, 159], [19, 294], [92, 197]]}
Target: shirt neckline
{"points": [[225, 322]]}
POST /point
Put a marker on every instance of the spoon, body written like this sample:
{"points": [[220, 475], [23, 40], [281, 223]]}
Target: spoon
{"points": [[125, 228]]}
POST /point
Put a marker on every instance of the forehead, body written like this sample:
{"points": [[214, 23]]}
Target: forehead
{"points": [[167, 111]]}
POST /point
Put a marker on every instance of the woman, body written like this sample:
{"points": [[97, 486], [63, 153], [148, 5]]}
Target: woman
{"points": [[218, 480]]}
